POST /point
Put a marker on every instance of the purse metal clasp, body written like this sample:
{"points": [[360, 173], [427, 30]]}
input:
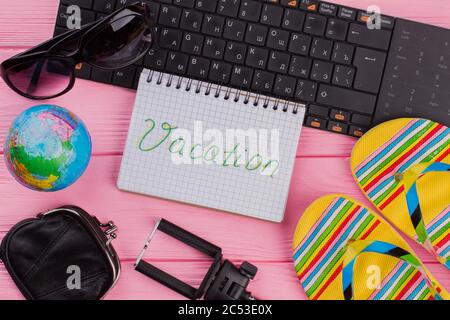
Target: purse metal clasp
{"points": [[111, 228]]}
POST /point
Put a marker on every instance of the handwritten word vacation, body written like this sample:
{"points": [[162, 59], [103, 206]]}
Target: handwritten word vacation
{"points": [[234, 148]]}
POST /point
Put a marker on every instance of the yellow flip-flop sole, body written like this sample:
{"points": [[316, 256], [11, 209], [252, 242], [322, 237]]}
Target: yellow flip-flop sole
{"points": [[327, 236], [386, 153]]}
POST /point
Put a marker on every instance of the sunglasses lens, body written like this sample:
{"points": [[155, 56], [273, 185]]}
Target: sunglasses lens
{"points": [[41, 78], [125, 39]]}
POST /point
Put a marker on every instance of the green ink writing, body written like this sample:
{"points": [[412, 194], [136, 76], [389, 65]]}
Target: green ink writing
{"points": [[180, 143], [165, 126], [267, 167], [259, 161]]}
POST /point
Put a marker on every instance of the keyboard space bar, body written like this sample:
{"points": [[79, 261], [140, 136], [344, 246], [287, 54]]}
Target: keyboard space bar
{"points": [[346, 99]]}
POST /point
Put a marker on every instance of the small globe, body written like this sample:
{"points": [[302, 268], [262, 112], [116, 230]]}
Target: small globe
{"points": [[48, 148]]}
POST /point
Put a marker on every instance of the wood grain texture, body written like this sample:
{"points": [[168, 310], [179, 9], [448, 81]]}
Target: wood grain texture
{"points": [[322, 167], [275, 281]]}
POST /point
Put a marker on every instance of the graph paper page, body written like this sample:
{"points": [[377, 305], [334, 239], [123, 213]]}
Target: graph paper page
{"points": [[199, 167]]}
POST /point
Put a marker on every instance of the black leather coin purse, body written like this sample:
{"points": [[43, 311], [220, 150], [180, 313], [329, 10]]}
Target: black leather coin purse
{"points": [[63, 254]]}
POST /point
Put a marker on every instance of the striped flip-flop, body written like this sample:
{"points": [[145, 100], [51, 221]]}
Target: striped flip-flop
{"points": [[403, 167], [342, 250]]}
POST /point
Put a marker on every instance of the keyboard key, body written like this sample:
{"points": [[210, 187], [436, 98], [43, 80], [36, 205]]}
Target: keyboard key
{"points": [[155, 59], [83, 71], [360, 34], [124, 3], [214, 48], [343, 76], [241, 77], [277, 39], [306, 91], [340, 115], [337, 127], [234, 30], [220, 72], [321, 71], [170, 38], [284, 86], [293, 20], [346, 99], [271, 15], [250, 11], [342, 53], [206, 5], [137, 77], [84, 4], [235, 52], [289, 3], [318, 110], [256, 34], [357, 131], [347, 13], [213, 25], [198, 67], [278, 62], [124, 77], [170, 16], [228, 7], [361, 119], [299, 44], [336, 29], [257, 57], [315, 24], [153, 11], [385, 22], [177, 62], [316, 122], [328, 9], [192, 43], [370, 66], [300, 67], [191, 20], [309, 5], [105, 6], [85, 18], [100, 75], [184, 3], [263, 81], [321, 48]]}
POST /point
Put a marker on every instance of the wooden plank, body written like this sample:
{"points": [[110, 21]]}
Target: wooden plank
{"points": [[240, 237], [274, 281]]}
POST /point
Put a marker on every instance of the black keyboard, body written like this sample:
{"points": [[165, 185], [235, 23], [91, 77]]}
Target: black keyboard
{"points": [[321, 54]]}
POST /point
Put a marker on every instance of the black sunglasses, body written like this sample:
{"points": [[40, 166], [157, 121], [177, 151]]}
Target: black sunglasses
{"points": [[114, 42]]}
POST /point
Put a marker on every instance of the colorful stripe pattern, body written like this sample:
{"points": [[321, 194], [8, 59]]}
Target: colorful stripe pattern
{"points": [[412, 197], [439, 236], [398, 287], [404, 282], [319, 257], [420, 141]]}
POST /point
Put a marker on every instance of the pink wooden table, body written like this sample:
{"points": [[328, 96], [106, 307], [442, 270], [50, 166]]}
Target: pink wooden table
{"points": [[322, 167]]}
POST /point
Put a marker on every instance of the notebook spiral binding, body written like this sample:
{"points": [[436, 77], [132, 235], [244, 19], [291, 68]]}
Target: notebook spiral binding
{"points": [[221, 91]]}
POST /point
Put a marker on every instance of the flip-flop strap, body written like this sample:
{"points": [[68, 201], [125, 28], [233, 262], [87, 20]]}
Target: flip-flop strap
{"points": [[355, 248], [409, 179]]}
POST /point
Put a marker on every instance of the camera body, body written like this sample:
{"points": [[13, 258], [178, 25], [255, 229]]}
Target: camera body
{"points": [[230, 283]]}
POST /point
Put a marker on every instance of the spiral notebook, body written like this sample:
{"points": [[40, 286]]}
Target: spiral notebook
{"points": [[211, 146]]}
